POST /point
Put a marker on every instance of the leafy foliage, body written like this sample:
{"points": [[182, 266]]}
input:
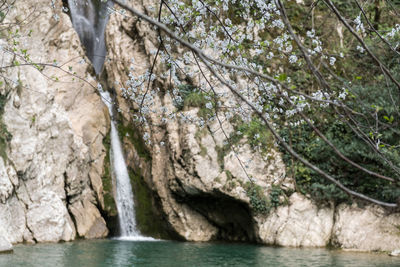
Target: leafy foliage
{"points": [[256, 133], [259, 202], [193, 97], [369, 99]]}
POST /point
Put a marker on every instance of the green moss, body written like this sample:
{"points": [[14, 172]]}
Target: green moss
{"points": [[274, 195], [258, 136], [135, 139], [109, 203], [229, 175], [200, 133], [203, 150], [231, 185], [220, 155], [193, 97], [146, 218], [5, 136]]}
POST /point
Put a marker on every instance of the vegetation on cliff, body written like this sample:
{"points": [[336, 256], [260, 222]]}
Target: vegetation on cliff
{"points": [[319, 76], [317, 79], [5, 136]]}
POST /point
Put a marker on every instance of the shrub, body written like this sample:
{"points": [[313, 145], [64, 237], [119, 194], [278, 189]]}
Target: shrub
{"points": [[259, 202], [367, 99]]}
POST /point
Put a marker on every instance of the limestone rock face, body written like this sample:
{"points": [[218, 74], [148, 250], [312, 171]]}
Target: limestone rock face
{"points": [[201, 188], [201, 191], [5, 245], [185, 173], [50, 182], [89, 222], [299, 224], [367, 229]]}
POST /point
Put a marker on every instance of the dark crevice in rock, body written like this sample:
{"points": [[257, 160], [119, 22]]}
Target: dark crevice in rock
{"points": [[69, 200], [332, 242], [66, 6], [231, 216], [112, 223]]}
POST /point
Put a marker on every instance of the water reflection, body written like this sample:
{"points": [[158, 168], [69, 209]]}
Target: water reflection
{"points": [[167, 253]]}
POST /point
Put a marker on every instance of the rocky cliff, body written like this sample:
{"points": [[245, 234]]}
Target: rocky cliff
{"points": [[201, 187], [190, 185], [50, 173]]}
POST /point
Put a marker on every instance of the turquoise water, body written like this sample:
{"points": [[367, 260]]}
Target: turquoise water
{"points": [[168, 253]]}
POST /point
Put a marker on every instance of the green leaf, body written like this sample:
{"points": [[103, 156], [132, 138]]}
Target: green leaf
{"points": [[389, 120], [282, 77]]}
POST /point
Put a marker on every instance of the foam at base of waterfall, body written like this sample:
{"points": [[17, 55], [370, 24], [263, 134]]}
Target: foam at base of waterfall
{"points": [[135, 238]]}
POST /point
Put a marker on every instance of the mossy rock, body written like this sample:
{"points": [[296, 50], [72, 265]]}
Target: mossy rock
{"points": [[136, 140], [110, 207], [148, 221], [5, 136]]}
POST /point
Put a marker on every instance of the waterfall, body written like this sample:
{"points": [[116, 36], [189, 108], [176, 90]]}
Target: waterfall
{"points": [[89, 18], [124, 195]]}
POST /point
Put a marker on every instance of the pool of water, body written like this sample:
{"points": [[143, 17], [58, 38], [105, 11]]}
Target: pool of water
{"points": [[168, 253]]}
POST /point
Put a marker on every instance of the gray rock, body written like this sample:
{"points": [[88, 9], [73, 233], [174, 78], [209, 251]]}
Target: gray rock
{"points": [[5, 245], [56, 155]]}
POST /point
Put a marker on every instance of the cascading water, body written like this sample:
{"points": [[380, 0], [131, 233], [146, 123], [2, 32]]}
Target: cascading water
{"points": [[124, 198], [89, 18]]}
